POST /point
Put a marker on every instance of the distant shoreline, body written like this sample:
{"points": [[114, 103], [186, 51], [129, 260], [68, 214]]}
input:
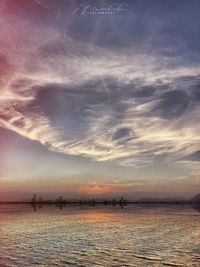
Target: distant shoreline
{"points": [[98, 202]]}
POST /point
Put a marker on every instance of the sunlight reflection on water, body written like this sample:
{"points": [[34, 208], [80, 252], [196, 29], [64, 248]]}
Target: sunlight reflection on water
{"points": [[99, 236]]}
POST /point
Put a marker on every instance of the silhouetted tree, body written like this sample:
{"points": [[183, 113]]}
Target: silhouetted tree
{"points": [[34, 199]]}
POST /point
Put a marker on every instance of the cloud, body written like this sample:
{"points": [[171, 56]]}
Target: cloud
{"points": [[173, 104], [192, 157], [121, 133], [88, 100]]}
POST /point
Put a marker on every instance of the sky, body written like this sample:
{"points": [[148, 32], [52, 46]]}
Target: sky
{"points": [[99, 103]]}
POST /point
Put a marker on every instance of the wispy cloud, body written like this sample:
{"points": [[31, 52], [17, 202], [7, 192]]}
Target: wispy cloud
{"points": [[83, 99]]}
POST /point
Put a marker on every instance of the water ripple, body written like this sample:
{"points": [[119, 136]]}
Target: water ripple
{"points": [[132, 237]]}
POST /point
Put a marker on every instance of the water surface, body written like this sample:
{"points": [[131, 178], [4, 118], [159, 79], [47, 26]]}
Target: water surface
{"points": [[99, 236]]}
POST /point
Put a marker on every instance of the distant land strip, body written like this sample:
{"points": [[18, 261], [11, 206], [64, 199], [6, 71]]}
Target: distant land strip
{"points": [[99, 202], [92, 201]]}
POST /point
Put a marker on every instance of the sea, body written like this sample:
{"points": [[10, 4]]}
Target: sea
{"points": [[106, 236]]}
